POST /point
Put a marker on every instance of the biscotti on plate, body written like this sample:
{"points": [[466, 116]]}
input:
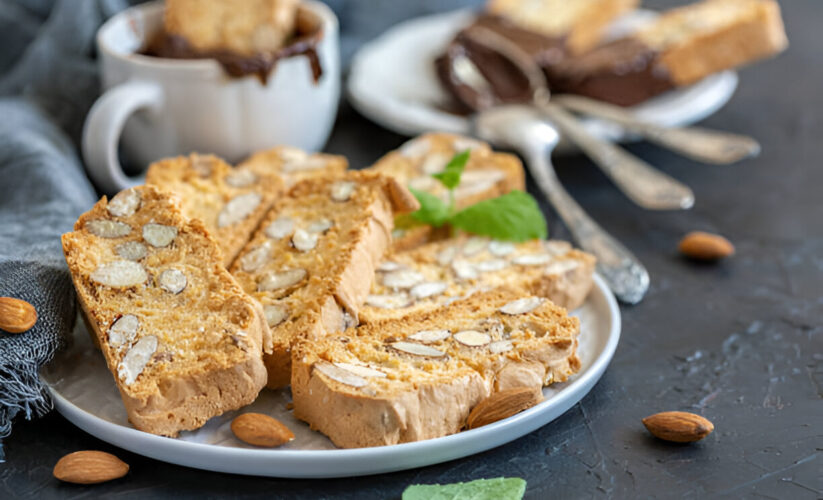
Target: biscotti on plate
{"points": [[244, 27], [488, 174], [311, 262], [679, 48], [293, 164], [229, 201], [182, 339], [419, 377], [437, 274], [578, 23]]}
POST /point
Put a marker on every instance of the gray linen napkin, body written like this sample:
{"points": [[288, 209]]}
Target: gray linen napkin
{"points": [[48, 83]]}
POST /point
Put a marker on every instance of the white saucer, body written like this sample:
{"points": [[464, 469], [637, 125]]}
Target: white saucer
{"points": [[84, 392], [392, 81]]}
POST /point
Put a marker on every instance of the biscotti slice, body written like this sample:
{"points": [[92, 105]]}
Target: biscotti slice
{"points": [[488, 174], [578, 23], [229, 201], [294, 165], [182, 339], [679, 48], [419, 377], [437, 274], [312, 261], [243, 27]]}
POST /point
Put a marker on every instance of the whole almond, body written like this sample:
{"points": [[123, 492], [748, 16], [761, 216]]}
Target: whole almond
{"points": [[261, 430], [16, 316], [89, 467], [678, 426], [705, 246], [502, 405]]}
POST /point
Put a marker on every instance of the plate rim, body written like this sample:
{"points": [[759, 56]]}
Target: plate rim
{"points": [[725, 83], [233, 459]]}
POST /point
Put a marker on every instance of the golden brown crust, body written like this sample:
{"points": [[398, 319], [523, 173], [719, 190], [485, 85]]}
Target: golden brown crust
{"points": [[755, 31], [436, 274], [201, 342], [580, 22], [311, 262], [244, 27], [487, 175], [365, 388], [229, 201], [294, 165]]}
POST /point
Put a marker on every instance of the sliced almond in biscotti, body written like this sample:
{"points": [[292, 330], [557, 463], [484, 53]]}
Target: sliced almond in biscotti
{"points": [[229, 201], [182, 339], [294, 165], [419, 377], [437, 274], [487, 174], [311, 262]]}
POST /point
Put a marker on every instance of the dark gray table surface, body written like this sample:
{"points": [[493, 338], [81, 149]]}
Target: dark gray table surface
{"points": [[740, 342]]}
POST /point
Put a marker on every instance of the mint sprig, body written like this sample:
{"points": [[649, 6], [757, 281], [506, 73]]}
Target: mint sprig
{"points": [[501, 488], [514, 216]]}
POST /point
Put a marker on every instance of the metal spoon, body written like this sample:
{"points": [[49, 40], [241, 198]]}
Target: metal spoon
{"points": [[642, 183], [704, 145], [522, 128]]}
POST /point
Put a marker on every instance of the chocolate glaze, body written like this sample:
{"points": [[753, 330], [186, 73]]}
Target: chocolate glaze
{"points": [[304, 42], [622, 72], [507, 83]]}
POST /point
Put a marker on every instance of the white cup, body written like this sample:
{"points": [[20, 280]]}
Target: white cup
{"points": [[166, 107]]}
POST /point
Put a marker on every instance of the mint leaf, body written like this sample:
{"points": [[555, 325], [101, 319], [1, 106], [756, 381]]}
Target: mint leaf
{"points": [[515, 216], [450, 176], [501, 488], [433, 210]]}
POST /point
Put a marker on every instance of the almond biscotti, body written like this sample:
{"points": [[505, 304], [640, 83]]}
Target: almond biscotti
{"points": [[229, 201], [294, 165], [183, 340], [487, 174], [437, 274], [312, 261], [244, 27], [578, 23], [679, 48], [419, 377]]}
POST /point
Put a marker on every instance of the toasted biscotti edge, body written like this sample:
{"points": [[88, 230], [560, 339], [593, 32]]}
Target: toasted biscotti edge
{"points": [[568, 290], [354, 419], [364, 421], [350, 288], [178, 408], [587, 31], [584, 30], [760, 35]]}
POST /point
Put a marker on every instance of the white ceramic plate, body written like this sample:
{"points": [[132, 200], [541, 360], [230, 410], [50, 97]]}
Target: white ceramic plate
{"points": [[392, 81], [84, 392]]}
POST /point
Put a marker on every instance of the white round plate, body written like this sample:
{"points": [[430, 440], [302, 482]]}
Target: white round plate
{"points": [[392, 81], [84, 392]]}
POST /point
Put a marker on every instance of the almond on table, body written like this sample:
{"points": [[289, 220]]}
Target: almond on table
{"points": [[419, 377], [181, 338], [311, 262], [16, 316]]}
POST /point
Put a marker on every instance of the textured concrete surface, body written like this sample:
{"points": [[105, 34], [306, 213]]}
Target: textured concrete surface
{"points": [[740, 343]]}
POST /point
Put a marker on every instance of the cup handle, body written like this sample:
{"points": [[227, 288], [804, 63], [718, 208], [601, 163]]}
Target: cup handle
{"points": [[104, 124]]}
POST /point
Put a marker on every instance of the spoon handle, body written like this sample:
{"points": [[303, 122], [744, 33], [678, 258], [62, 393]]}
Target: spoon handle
{"points": [[646, 186], [701, 144], [624, 274]]}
